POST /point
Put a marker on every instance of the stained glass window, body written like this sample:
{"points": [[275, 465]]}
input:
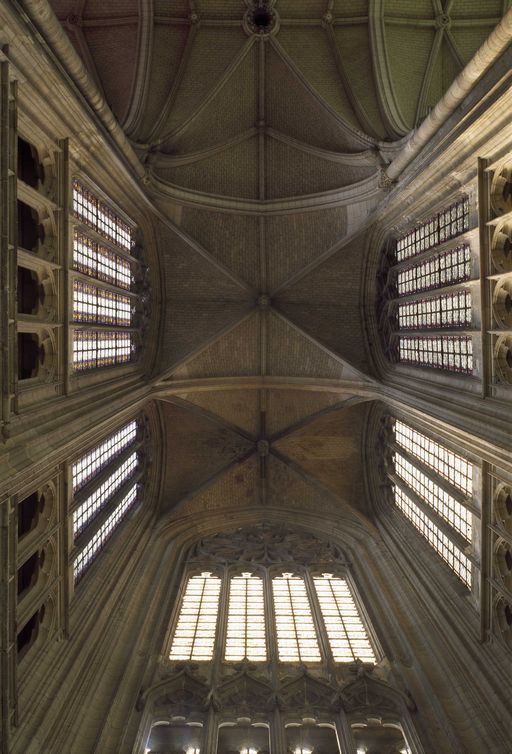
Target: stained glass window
{"points": [[97, 261], [451, 310], [194, 636], [296, 635], [95, 213], [450, 352], [100, 306], [246, 619], [101, 348], [447, 224], [94, 304], [439, 271]]}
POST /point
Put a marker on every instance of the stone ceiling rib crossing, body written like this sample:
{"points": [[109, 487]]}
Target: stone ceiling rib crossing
{"points": [[264, 154]]}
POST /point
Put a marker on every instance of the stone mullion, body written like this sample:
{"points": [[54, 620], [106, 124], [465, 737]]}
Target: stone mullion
{"points": [[316, 612], [221, 633], [346, 739]]}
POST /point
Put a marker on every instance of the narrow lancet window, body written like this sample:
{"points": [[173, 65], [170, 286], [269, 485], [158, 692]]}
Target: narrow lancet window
{"points": [[194, 637], [296, 636], [345, 629], [245, 637]]}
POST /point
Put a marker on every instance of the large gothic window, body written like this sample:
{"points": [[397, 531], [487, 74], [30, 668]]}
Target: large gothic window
{"points": [[296, 600], [426, 297], [106, 484], [270, 649], [432, 486]]}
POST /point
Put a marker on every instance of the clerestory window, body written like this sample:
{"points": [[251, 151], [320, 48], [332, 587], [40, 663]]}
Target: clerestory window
{"points": [[106, 483], [433, 329], [104, 333], [433, 487]]}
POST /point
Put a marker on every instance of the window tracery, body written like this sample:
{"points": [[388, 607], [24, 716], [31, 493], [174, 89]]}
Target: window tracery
{"points": [[406, 319]]}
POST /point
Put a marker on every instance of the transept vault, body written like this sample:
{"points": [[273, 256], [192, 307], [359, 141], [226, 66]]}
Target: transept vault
{"points": [[255, 475]]}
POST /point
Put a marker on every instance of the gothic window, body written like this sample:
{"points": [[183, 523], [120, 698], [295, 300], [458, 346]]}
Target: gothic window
{"points": [[433, 487], [194, 637], [245, 637], [102, 244], [433, 329], [345, 630], [289, 632], [106, 483], [296, 635]]}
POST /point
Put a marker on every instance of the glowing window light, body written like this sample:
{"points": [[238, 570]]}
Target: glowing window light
{"points": [[442, 227], [447, 464], [296, 635], [246, 620], [250, 750], [345, 629], [451, 554], [93, 349], [193, 750], [456, 514], [99, 216], [451, 352], [194, 637], [100, 497], [100, 306], [439, 271], [95, 260], [93, 461], [99, 540], [451, 310]]}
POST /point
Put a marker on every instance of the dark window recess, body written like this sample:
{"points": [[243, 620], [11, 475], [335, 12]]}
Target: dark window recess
{"points": [[29, 572], [30, 292], [508, 503], [30, 169], [29, 511], [29, 633], [508, 560], [508, 614], [30, 355], [30, 231]]}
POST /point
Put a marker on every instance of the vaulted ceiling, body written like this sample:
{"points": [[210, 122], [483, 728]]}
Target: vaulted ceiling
{"points": [[264, 145]]}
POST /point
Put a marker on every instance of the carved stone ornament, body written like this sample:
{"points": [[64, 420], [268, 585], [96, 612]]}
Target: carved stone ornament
{"points": [[260, 18], [179, 694], [367, 694], [311, 696], [244, 693], [266, 545]]}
